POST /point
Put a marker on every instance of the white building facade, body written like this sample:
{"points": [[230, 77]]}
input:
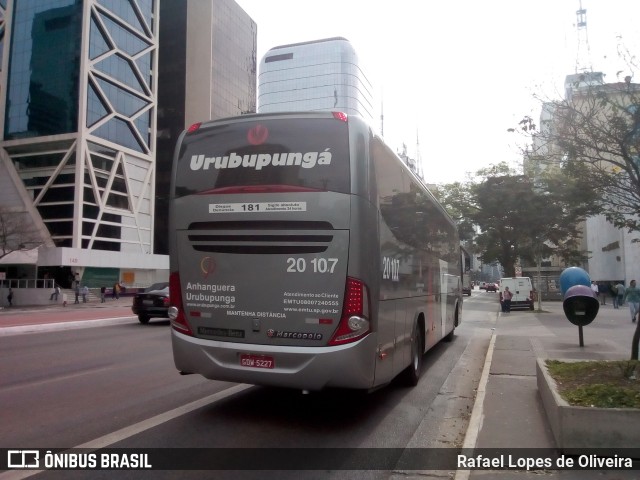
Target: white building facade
{"points": [[614, 256], [79, 99]]}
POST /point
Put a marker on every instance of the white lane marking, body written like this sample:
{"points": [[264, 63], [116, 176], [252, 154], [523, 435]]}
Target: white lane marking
{"points": [[477, 414], [139, 427], [57, 378], [136, 428]]}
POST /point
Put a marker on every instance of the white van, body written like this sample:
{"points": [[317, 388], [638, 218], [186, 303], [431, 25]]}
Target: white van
{"points": [[521, 289]]}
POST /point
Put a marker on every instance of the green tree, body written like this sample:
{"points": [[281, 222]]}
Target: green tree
{"points": [[519, 218], [454, 196], [593, 138]]}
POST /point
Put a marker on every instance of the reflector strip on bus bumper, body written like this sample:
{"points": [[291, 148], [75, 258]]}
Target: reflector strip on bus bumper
{"points": [[318, 321]]}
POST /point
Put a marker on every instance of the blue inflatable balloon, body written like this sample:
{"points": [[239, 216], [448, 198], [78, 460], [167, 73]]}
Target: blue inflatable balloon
{"points": [[573, 276]]}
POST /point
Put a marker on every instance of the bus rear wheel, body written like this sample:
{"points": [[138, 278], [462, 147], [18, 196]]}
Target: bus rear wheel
{"points": [[412, 372]]}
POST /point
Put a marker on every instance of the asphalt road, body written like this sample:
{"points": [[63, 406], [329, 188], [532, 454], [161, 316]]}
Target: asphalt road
{"points": [[116, 386]]}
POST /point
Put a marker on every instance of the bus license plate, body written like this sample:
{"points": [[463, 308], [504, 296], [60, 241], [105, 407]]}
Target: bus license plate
{"points": [[257, 361]]}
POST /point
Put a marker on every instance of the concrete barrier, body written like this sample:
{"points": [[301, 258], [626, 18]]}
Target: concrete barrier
{"points": [[578, 428], [28, 296]]}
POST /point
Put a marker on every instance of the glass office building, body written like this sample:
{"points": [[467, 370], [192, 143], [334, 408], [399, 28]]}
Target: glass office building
{"points": [[319, 75], [92, 105], [79, 98], [207, 71]]}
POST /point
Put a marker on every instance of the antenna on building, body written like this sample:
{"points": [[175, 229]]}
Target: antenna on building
{"points": [[583, 56], [584, 76]]}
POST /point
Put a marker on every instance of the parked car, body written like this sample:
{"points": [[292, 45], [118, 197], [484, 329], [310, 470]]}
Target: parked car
{"points": [[491, 287], [152, 302]]}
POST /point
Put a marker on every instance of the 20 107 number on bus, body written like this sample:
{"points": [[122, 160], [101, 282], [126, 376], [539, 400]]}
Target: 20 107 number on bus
{"points": [[316, 265], [391, 269]]}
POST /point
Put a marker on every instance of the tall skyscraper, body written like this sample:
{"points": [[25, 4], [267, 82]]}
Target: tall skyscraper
{"points": [[207, 71], [79, 101], [318, 75], [82, 82]]}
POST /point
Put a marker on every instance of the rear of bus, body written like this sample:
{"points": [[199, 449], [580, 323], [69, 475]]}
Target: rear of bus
{"points": [[264, 285]]}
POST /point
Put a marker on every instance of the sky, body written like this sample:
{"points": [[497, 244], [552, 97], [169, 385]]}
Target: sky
{"points": [[453, 76]]}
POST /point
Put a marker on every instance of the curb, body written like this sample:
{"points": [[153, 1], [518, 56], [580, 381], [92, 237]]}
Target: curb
{"points": [[59, 306], [60, 326], [477, 414]]}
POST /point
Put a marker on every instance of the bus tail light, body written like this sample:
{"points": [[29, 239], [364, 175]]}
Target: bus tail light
{"points": [[176, 311], [340, 116], [354, 323], [194, 128]]}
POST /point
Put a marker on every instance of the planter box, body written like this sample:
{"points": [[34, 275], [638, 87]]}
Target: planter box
{"points": [[579, 428]]}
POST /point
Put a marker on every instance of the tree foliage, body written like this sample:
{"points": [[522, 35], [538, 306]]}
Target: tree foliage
{"points": [[517, 218], [16, 231], [453, 197], [593, 138]]}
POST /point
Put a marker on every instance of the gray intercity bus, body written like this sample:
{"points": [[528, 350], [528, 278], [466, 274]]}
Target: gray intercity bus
{"points": [[305, 254]]}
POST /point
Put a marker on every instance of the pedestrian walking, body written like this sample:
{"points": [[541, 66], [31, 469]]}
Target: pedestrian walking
{"points": [[10, 297], [620, 294], [103, 291], [116, 289], [85, 292], [632, 295], [506, 300], [77, 292]]}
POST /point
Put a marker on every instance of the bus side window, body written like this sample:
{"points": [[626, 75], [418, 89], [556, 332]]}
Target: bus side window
{"points": [[389, 185], [364, 171]]}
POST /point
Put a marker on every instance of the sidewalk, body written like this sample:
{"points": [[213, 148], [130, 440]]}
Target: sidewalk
{"points": [[508, 412], [58, 306], [16, 320]]}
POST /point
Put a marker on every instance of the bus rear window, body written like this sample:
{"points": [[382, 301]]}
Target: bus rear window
{"points": [[310, 154]]}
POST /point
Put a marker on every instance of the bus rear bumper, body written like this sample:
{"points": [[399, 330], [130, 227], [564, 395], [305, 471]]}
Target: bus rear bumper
{"points": [[308, 368]]}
